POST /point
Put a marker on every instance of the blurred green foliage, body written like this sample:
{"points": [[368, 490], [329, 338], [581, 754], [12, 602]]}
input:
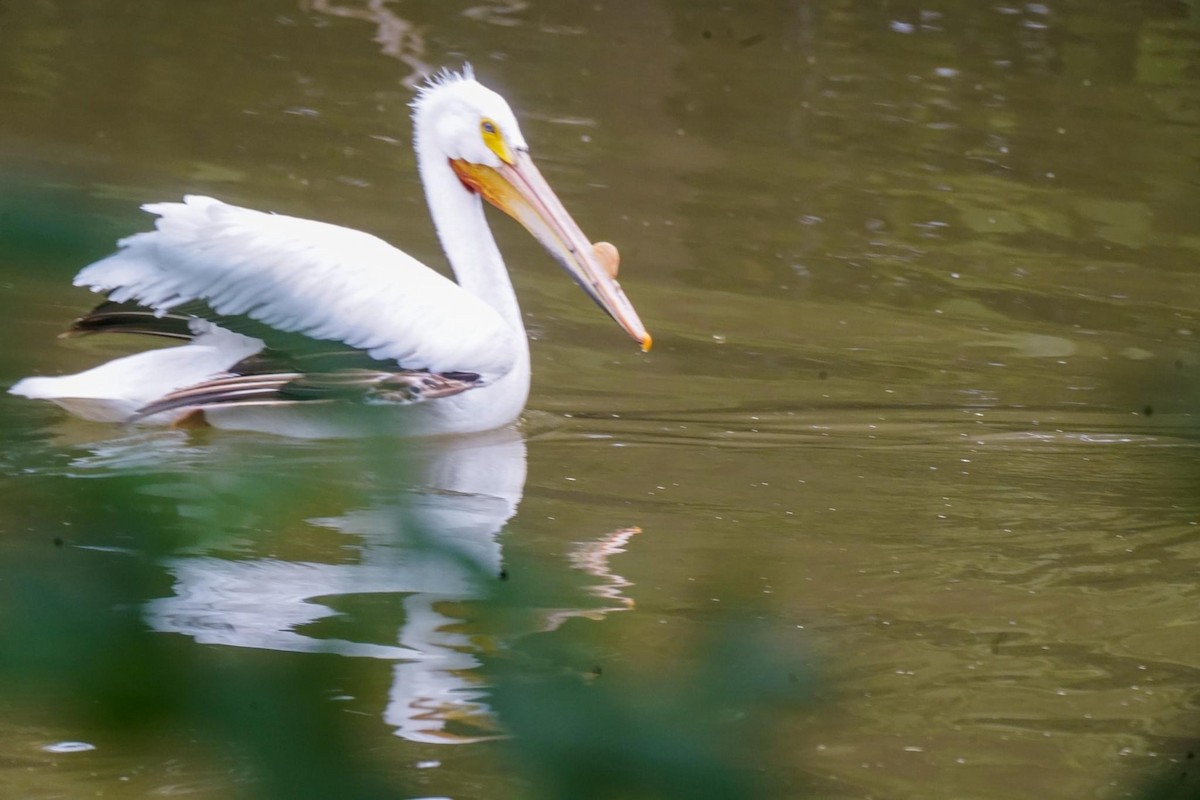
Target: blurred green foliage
{"points": [[77, 648], [686, 733], [70, 617], [1177, 783]]}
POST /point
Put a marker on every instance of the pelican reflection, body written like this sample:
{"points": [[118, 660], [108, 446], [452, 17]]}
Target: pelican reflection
{"points": [[427, 550]]}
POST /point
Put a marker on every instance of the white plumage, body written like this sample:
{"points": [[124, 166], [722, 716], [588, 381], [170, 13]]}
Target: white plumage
{"points": [[448, 357], [297, 275], [116, 390]]}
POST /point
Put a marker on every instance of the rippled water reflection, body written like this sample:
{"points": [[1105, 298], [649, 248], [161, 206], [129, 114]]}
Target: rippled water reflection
{"points": [[923, 289]]}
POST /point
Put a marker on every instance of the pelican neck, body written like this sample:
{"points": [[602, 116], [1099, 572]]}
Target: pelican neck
{"points": [[465, 235]]}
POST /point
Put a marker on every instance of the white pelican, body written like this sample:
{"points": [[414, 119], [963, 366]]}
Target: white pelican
{"points": [[281, 314]]}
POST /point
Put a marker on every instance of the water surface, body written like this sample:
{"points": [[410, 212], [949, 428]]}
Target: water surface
{"points": [[923, 290]]}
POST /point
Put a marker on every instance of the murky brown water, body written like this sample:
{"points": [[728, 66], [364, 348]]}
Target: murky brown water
{"points": [[923, 285]]}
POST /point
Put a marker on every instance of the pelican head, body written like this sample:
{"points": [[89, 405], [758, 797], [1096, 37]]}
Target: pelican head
{"points": [[477, 133]]}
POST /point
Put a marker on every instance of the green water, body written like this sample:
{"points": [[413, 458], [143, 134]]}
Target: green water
{"points": [[922, 281]]}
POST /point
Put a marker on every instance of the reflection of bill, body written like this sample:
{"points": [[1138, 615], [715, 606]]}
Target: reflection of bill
{"points": [[592, 558], [472, 487]]}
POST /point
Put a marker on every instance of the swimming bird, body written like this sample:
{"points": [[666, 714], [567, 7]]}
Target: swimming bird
{"points": [[279, 317]]}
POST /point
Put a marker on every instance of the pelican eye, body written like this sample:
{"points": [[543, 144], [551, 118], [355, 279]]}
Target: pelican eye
{"points": [[494, 140]]}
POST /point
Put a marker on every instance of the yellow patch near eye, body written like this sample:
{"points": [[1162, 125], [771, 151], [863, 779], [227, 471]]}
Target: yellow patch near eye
{"points": [[492, 137]]}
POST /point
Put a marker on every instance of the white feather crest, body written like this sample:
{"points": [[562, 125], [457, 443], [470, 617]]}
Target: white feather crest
{"points": [[442, 77]]}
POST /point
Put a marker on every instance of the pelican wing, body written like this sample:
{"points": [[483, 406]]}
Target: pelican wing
{"points": [[129, 317], [361, 385], [299, 276], [279, 351]]}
